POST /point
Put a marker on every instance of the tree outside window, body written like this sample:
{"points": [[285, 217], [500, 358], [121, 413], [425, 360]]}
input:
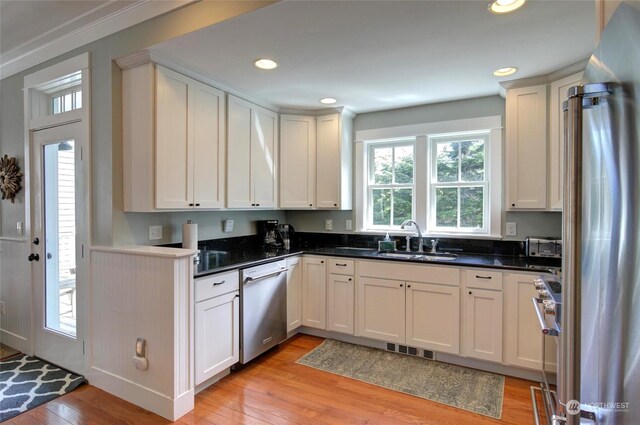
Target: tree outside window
{"points": [[391, 183]]}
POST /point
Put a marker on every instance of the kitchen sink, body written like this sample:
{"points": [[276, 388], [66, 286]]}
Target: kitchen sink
{"points": [[212, 259], [433, 256]]}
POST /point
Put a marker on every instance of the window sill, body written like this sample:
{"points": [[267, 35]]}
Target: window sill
{"points": [[394, 232]]}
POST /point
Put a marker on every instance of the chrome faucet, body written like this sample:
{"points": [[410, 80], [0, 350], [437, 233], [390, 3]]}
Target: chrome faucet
{"points": [[420, 243], [434, 246]]}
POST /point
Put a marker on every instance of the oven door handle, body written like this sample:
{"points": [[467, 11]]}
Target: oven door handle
{"points": [[545, 330]]}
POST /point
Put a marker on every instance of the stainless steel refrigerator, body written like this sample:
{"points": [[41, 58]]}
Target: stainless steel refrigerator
{"points": [[599, 368]]}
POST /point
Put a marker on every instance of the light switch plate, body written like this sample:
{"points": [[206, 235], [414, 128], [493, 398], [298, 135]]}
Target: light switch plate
{"points": [[348, 225], [511, 228], [19, 228], [328, 225], [227, 226], [155, 233]]}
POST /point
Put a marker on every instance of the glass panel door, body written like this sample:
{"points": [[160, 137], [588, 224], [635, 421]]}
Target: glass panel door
{"points": [[60, 237]]}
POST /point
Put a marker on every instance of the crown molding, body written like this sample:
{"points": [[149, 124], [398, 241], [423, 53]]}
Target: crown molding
{"points": [[33, 53], [543, 79]]}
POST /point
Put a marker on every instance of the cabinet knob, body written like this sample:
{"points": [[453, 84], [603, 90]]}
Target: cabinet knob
{"points": [[401, 285], [190, 205], [197, 205], [310, 205], [408, 286], [469, 292], [335, 205], [253, 205], [322, 262], [513, 205], [257, 205], [349, 279]]}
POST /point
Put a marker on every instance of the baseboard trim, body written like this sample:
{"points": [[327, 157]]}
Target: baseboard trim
{"points": [[17, 342], [147, 398]]}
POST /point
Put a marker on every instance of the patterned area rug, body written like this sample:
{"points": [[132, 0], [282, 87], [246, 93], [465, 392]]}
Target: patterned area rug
{"points": [[27, 382], [469, 389]]}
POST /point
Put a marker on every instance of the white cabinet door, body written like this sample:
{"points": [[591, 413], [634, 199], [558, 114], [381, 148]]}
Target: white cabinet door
{"points": [[239, 126], [433, 317], [526, 146], [340, 303], [264, 158], [297, 161], [173, 159], [523, 337], [334, 150], [217, 334], [483, 324], [381, 309], [314, 292], [294, 293], [207, 131], [556, 137]]}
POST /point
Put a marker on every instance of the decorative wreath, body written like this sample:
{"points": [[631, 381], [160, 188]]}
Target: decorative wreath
{"points": [[10, 178]]}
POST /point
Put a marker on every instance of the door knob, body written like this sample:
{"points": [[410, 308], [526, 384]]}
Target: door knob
{"points": [[33, 257]]}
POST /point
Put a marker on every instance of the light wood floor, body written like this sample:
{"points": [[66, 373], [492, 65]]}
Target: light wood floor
{"points": [[276, 390]]}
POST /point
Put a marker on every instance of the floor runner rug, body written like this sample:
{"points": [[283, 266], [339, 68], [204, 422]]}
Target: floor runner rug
{"points": [[27, 382], [469, 389]]}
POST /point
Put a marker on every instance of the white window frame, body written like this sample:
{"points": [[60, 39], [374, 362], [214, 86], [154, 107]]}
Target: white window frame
{"points": [[433, 184], [492, 126], [371, 185]]}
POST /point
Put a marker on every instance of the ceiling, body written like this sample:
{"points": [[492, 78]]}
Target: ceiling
{"points": [[370, 55], [377, 55]]}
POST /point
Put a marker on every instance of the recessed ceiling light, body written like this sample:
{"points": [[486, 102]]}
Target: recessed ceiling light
{"points": [[328, 100], [505, 6], [503, 72], [265, 63]]}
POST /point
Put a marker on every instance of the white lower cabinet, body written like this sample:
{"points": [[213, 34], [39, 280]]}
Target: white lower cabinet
{"points": [[381, 309], [483, 324], [340, 303], [314, 292], [217, 330], [433, 317], [294, 293], [523, 336]]}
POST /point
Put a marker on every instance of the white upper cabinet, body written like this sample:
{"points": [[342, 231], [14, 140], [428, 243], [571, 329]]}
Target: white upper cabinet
{"points": [[251, 155], [173, 141], [315, 161], [297, 161], [556, 137], [333, 161], [526, 146]]}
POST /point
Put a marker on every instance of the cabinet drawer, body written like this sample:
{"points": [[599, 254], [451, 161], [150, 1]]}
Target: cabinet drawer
{"points": [[217, 284], [483, 279], [340, 266]]}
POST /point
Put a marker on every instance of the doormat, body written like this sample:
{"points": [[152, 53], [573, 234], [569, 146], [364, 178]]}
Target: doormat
{"points": [[27, 382], [461, 387]]}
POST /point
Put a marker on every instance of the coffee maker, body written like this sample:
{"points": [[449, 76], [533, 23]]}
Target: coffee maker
{"points": [[268, 231]]}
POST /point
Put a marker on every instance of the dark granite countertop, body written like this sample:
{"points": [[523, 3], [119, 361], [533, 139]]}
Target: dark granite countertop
{"points": [[240, 258]]}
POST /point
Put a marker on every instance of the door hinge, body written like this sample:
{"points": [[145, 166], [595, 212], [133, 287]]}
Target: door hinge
{"points": [[83, 347], [81, 153], [82, 251]]}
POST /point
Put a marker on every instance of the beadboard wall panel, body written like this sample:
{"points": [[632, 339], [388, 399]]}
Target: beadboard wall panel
{"points": [[143, 296], [15, 293]]}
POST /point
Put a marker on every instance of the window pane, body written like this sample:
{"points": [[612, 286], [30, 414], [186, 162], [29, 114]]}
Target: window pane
{"points": [[472, 160], [56, 105], [67, 103], [404, 164], [381, 205], [447, 162], [447, 206], [78, 96], [382, 165], [402, 205], [471, 205]]}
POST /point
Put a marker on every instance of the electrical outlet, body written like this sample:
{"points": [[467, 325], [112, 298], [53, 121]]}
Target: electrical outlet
{"points": [[1, 308], [511, 228], [328, 225], [155, 233], [348, 225], [227, 226]]}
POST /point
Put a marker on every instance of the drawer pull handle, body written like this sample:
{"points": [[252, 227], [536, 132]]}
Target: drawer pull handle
{"points": [[341, 265], [218, 283], [483, 277]]}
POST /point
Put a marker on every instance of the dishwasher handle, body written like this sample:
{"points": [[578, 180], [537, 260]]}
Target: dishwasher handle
{"points": [[250, 279]]}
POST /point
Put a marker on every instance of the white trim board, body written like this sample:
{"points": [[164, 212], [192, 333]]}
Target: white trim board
{"points": [[30, 54]]}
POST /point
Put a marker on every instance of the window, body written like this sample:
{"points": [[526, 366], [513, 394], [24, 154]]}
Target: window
{"points": [[66, 102], [458, 193], [446, 176], [390, 183]]}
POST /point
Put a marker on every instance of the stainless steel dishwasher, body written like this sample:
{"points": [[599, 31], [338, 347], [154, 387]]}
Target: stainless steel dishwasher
{"points": [[263, 309]]}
